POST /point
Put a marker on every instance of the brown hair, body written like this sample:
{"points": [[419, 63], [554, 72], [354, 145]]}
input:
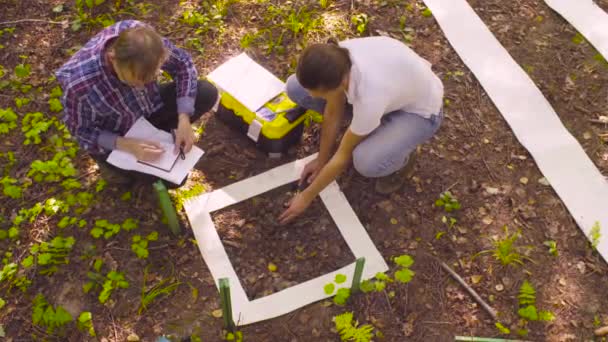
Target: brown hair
{"points": [[140, 50], [323, 66]]}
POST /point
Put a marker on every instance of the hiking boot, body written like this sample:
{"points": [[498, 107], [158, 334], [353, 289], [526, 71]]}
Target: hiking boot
{"points": [[393, 182]]}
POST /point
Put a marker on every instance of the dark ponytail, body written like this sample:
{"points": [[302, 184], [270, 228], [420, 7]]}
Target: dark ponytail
{"points": [[323, 66]]}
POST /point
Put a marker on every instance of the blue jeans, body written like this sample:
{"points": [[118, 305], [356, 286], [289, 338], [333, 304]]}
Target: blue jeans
{"points": [[387, 148]]}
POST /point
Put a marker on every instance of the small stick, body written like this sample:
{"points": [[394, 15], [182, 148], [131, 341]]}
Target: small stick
{"points": [[483, 339], [479, 300], [31, 21], [601, 331]]}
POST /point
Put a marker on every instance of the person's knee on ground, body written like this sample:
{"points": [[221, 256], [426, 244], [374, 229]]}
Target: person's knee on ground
{"points": [[206, 97], [371, 164]]}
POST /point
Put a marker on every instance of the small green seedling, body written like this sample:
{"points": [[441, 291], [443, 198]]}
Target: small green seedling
{"points": [[44, 315], [8, 120], [595, 235], [342, 294], [85, 323], [504, 249], [68, 221], [9, 188], [360, 21], [502, 329], [111, 281], [114, 280], [527, 305], [402, 275], [448, 202], [107, 229], [552, 245], [140, 244], [165, 287], [236, 336], [352, 331], [181, 195], [49, 255]]}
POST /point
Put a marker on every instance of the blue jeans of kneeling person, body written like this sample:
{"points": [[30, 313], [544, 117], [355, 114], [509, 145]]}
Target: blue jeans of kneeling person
{"points": [[385, 150]]}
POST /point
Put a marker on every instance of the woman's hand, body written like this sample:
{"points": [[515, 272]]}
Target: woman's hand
{"points": [[297, 205], [310, 172]]}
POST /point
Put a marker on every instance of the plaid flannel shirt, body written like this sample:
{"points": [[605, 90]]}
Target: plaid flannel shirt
{"points": [[98, 107]]}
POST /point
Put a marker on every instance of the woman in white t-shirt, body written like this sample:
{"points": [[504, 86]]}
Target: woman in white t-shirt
{"points": [[396, 102]]}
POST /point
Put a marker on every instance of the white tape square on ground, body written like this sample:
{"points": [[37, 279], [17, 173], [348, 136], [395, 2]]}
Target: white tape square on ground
{"points": [[245, 311]]}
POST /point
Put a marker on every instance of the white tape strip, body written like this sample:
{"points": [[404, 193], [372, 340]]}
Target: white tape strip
{"points": [[280, 303], [558, 155], [588, 18]]}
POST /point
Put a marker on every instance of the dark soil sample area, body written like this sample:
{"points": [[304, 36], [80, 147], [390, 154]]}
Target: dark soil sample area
{"points": [[308, 247]]}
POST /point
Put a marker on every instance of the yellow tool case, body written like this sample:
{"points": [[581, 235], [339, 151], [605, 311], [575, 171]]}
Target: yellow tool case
{"points": [[274, 128]]}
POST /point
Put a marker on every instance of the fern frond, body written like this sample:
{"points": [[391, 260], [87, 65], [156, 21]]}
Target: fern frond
{"points": [[527, 294]]}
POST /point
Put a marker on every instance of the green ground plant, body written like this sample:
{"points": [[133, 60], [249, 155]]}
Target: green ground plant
{"points": [[341, 294], [9, 188], [360, 22], [53, 170], [107, 230], [402, 275], [552, 245], [595, 235], [8, 120], [180, 196], [85, 16], [49, 255], [140, 244], [9, 276], [49, 317], [85, 323], [163, 288], [283, 23], [527, 308], [505, 251], [448, 202], [113, 280], [350, 330]]}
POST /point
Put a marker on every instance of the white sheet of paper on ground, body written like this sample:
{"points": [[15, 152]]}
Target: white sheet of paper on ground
{"points": [[142, 129], [558, 155], [247, 81], [245, 311], [588, 18]]}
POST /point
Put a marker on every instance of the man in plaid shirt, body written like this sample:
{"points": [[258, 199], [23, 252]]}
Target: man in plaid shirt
{"points": [[111, 82]]}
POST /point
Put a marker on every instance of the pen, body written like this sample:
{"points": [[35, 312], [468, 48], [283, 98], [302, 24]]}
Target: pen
{"points": [[182, 155]]}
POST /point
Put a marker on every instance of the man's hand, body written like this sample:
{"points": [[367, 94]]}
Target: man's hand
{"points": [[310, 172], [297, 205], [184, 135], [142, 150]]}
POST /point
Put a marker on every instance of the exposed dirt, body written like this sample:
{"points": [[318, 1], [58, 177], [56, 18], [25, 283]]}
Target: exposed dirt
{"points": [[309, 247], [475, 155]]}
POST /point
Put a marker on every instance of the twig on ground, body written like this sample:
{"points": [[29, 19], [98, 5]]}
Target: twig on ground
{"points": [[31, 21], [451, 186], [488, 168], [472, 292]]}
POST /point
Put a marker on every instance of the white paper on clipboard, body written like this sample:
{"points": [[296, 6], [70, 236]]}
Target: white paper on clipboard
{"points": [[142, 129]]}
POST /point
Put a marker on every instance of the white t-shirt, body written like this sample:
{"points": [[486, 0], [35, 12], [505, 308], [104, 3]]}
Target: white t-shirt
{"points": [[387, 76]]}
